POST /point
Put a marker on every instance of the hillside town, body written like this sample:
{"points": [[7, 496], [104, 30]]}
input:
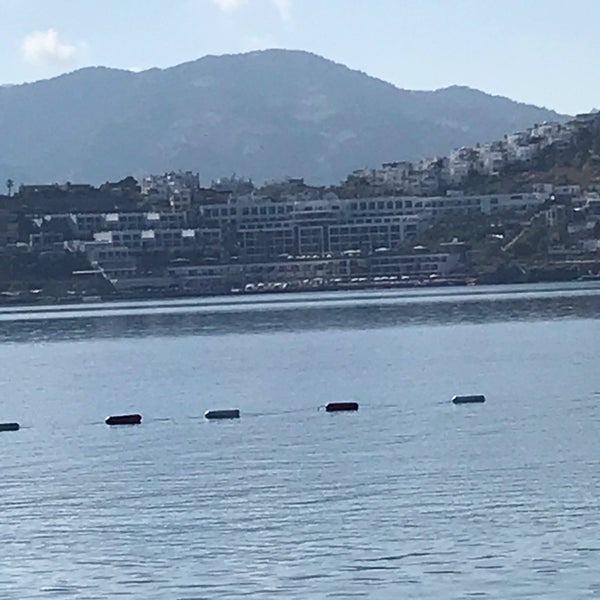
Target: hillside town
{"points": [[536, 148], [522, 209]]}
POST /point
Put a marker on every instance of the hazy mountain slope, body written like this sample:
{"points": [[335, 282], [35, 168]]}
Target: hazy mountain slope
{"points": [[263, 114]]}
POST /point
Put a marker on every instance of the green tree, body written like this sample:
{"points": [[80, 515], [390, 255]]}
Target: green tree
{"points": [[9, 186]]}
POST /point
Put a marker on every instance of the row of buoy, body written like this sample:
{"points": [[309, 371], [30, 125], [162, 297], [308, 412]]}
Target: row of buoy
{"points": [[234, 413], [223, 413]]}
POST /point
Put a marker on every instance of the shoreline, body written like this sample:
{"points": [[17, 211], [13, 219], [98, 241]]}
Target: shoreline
{"points": [[15, 300]]}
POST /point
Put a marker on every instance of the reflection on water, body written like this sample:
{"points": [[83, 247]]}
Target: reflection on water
{"points": [[299, 312]]}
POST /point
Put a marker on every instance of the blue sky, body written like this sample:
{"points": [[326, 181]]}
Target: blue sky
{"points": [[538, 51]]}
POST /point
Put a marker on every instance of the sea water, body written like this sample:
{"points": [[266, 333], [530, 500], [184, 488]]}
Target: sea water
{"points": [[410, 497]]}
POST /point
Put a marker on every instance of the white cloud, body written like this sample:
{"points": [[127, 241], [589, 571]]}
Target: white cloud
{"points": [[46, 48], [283, 7], [229, 5]]}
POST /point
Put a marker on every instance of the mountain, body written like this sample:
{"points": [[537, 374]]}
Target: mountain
{"points": [[265, 114]]}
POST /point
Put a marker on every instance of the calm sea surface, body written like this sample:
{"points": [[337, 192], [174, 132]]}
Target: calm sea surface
{"points": [[410, 497]]}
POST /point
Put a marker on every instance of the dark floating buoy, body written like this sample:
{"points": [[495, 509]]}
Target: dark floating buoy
{"points": [[133, 419], [9, 427], [475, 399], [340, 406], [229, 413]]}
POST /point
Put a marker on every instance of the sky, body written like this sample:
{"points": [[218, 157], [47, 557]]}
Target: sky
{"points": [[542, 52]]}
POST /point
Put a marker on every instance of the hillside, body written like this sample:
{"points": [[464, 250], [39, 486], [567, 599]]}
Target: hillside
{"points": [[574, 160], [263, 115]]}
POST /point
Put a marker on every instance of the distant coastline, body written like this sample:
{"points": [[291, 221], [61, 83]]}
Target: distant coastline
{"points": [[520, 210], [450, 285]]}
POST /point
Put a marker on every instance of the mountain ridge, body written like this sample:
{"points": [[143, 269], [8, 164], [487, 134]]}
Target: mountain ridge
{"points": [[263, 114]]}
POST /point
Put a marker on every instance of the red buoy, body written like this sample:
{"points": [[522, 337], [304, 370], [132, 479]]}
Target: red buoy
{"points": [[339, 406], [9, 427], [133, 419], [228, 413], [473, 399]]}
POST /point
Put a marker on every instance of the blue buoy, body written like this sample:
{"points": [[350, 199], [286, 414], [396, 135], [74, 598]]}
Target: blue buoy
{"points": [[473, 399], [9, 427], [229, 413]]}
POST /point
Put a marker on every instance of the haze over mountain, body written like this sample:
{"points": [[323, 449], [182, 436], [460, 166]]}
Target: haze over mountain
{"points": [[265, 114]]}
